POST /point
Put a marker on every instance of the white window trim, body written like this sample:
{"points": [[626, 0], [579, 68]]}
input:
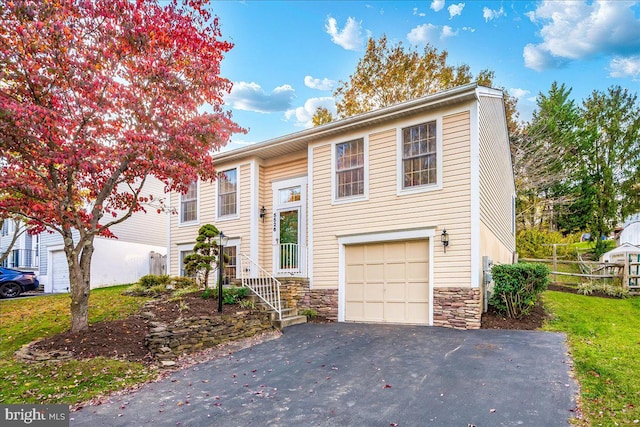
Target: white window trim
{"points": [[400, 190], [197, 220], [335, 200], [182, 248], [235, 242], [217, 201]]}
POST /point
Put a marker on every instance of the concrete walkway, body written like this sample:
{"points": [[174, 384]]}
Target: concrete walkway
{"points": [[344, 374]]}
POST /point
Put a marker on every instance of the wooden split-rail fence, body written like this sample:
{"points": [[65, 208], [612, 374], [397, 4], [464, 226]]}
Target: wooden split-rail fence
{"points": [[627, 271]]}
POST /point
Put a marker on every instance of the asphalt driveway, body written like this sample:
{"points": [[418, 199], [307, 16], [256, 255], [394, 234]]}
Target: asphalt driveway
{"points": [[344, 374]]}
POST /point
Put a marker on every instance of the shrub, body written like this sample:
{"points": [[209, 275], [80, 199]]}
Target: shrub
{"points": [[151, 280], [517, 287], [180, 282], [135, 290], [209, 293], [233, 295], [605, 288], [531, 244], [247, 303], [310, 313]]}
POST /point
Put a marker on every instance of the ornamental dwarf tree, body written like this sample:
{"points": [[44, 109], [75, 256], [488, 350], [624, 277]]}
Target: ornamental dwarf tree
{"points": [[205, 254], [96, 97]]}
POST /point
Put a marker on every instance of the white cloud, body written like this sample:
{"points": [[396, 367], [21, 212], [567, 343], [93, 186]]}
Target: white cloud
{"points": [[470, 29], [415, 12], [437, 5], [577, 30], [422, 34], [320, 84], [251, 97], [518, 93], [447, 31], [489, 14], [304, 114], [350, 37], [625, 67], [455, 9]]}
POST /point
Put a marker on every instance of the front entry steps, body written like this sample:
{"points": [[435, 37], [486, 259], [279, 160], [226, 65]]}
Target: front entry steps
{"points": [[290, 316]]}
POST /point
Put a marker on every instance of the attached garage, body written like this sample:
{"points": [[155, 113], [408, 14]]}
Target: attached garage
{"points": [[59, 272], [387, 282]]}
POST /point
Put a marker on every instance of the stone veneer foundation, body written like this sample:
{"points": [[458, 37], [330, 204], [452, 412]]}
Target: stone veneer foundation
{"points": [[295, 293], [459, 308]]}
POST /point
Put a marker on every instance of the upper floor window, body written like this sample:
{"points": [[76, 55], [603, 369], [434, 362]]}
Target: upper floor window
{"points": [[228, 193], [350, 169], [189, 204], [419, 155]]}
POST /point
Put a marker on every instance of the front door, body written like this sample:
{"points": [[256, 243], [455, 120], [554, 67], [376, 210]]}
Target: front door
{"points": [[289, 232]]}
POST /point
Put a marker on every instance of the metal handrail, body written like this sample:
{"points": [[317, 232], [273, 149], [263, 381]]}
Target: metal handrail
{"points": [[261, 282]]}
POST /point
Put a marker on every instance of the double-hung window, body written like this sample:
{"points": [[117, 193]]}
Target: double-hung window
{"points": [[189, 204], [228, 193], [349, 169], [419, 155]]}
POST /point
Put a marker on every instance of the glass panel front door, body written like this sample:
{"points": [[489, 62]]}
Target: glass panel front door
{"points": [[288, 239]]}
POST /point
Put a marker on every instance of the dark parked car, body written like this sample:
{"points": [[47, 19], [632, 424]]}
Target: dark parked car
{"points": [[14, 282]]}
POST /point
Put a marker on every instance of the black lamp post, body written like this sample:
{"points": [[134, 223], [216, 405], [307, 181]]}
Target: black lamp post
{"points": [[222, 242]]}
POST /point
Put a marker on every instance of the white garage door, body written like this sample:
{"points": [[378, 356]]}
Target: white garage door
{"points": [[59, 272], [387, 282]]}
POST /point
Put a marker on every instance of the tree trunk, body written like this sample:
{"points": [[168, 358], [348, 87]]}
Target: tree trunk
{"points": [[79, 262]]}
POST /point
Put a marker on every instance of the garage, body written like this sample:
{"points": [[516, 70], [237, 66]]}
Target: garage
{"points": [[387, 282], [59, 272]]}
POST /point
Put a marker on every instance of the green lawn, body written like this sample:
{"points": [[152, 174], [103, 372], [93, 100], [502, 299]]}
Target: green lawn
{"points": [[604, 337], [23, 320]]}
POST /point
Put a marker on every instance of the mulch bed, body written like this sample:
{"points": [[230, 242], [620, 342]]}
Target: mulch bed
{"points": [[124, 339], [493, 320]]}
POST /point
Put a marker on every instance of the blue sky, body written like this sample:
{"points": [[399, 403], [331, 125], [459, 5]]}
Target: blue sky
{"points": [[289, 55]]}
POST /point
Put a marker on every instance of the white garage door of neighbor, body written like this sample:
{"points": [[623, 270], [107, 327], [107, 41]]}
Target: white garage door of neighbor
{"points": [[387, 282], [59, 272]]}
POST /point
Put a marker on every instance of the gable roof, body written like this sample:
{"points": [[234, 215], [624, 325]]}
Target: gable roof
{"points": [[298, 141]]}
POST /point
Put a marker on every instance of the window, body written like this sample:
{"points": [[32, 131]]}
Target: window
{"points": [[183, 255], [227, 193], [230, 263], [5, 228], [419, 162], [289, 195], [189, 204], [350, 169]]}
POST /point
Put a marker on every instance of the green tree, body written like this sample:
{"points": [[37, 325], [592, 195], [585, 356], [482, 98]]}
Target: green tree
{"points": [[610, 152], [205, 254], [390, 74], [545, 161]]}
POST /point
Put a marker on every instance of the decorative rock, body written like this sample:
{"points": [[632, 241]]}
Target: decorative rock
{"points": [[167, 363]]}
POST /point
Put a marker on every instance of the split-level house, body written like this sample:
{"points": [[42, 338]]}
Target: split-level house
{"points": [[381, 217]]}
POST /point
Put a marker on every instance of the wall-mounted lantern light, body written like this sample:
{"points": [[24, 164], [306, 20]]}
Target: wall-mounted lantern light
{"points": [[444, 238], [263, 213]]}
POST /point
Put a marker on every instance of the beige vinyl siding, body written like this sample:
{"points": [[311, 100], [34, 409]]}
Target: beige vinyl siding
{"points": [[233, 228], [496, 174], [385, 211], [492, 247], [272, 170], [150, 227]]}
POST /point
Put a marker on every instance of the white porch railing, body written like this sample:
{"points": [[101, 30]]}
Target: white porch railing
{"points": [[261, 282], [289, 257]]}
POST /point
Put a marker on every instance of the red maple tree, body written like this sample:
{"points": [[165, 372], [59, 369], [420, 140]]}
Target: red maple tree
{"points": [[95, 97]]}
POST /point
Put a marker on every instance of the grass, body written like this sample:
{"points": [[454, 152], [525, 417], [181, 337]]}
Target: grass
{"points": [[27, 319], [604, 337]]}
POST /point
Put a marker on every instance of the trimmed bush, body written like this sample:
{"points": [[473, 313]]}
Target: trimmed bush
{"points": [[151, 280], [517, 287]]}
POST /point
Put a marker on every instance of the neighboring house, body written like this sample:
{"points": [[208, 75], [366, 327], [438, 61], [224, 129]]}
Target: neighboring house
{"points": [[630, 232], [354, 210], [24, 254], [622, 252], [115, 261]]}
